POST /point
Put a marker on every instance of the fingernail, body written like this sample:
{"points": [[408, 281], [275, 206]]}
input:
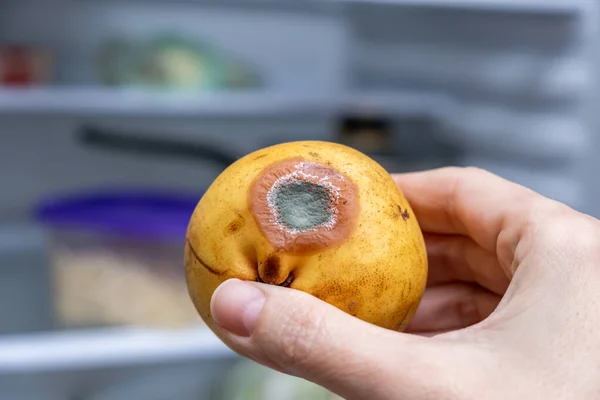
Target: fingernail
{"points": [[236, 305]]}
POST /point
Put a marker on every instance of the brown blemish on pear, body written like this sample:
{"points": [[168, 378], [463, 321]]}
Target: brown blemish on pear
{"points": [[235, 225], [352, 307], [403, 213], [270, 270]]}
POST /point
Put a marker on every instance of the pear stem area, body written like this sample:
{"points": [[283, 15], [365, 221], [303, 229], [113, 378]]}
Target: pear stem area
{"points": [[287, 283]]}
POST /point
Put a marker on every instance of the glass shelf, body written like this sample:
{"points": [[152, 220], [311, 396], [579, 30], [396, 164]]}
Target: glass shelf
{"points": [[77, 101], [530, 6]]}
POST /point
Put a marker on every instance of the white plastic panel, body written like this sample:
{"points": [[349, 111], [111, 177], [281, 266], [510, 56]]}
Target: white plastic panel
{"points": [[528, 135], [556, 183], [518, 71], [63, 351]]}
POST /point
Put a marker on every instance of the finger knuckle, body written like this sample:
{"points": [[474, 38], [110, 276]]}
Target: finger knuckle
{"points": [[561, 227], [475, 171], [298, 337]]}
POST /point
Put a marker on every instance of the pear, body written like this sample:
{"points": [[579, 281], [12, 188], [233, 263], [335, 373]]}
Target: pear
{"points": [[314, 216]]}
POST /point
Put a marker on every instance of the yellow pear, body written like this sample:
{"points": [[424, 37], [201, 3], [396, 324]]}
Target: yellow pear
{"points": [[314, 216]]}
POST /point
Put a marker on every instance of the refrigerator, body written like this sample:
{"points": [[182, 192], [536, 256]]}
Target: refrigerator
{"points": [[161, 96]]}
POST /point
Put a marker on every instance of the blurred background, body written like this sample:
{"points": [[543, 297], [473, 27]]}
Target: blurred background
{"points": [[116, 115]]}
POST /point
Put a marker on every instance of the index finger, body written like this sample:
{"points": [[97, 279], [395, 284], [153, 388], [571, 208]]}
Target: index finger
{"points": [[469, 201]]}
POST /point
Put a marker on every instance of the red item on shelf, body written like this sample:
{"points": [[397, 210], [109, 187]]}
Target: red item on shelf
{"points": [[21, 66]]}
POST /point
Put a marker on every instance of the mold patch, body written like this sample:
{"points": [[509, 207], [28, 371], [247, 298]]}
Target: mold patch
{"points": [[301, 206]]}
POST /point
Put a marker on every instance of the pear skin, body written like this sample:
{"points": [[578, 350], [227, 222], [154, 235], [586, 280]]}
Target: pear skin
{"points": [[314, 216]]}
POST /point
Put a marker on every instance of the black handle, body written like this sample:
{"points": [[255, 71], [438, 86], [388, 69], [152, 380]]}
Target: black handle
{"points": [[101, 138]]}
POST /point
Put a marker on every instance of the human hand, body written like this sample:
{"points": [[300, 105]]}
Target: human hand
{"points": [[512, 302]]}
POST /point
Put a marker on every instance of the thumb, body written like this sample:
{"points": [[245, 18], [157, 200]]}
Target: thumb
{"points": [[298, 334]]}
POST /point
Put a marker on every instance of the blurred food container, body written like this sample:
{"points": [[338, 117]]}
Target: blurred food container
{"points": [[118, 258], [172, 61], [24, 66]]}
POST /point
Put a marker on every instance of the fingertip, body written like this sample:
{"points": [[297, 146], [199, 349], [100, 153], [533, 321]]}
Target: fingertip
{"points": [[236, 305]]}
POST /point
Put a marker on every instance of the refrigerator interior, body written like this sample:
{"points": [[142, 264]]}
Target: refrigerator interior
{"points": [[504, 85]]}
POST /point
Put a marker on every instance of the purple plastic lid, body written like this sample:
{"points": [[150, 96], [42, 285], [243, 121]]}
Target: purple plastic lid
{"points": [[144, 214]]}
